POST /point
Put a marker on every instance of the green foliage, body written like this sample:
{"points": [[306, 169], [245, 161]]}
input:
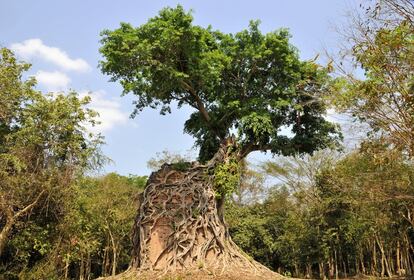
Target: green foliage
{"points": [[100, 221], [181, 165], [95, 227], [249, 81], [327, 210], [256, 127], [14, 91], [227, 177], [349, 215], [44, 148]]}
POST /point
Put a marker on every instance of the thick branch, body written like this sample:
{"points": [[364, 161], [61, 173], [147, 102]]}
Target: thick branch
{"points": [[200, 104], [11, 218], [30, 206], [202, 109], [251, 147]]}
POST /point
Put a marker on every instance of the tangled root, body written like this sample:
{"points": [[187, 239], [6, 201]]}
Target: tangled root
{"points": [[179, 228]]}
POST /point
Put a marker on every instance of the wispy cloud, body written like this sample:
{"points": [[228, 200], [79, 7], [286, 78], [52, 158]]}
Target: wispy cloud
{"points": [[53, 81], [36, 48], [109, 110]]}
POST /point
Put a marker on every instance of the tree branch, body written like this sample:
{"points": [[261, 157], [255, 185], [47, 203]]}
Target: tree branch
{"points": [[200, 104], [202, 109], [251, 147], [30, 206]]}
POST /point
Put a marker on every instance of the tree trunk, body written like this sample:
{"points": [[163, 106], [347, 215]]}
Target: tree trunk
{"points": [[67, 263], [374, 258], [330, 267], [104, 261], [361, 260], [295, 265], [384, 261], [344, 267], [114, 251], [336, 265], [4, 234], [406, 255], [88, 266], [180, 224], [322, 270], [356, 264], [308, 271], [81, 269], [398, 259]]}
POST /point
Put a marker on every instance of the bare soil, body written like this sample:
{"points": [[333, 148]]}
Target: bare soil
{"points": [[192, 275]]}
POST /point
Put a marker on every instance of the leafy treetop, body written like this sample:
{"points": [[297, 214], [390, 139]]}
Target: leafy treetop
{"points": [[249, 82]]}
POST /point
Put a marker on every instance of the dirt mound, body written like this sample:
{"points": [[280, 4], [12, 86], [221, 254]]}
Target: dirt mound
{"points": [[201, 274]]}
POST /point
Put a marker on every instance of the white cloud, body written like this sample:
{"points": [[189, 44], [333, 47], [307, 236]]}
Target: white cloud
{"points": [[35, 48], [110, 113], [53, 81]]}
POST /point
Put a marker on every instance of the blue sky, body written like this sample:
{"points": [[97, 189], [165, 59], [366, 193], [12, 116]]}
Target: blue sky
{"points": [[61, 40]]}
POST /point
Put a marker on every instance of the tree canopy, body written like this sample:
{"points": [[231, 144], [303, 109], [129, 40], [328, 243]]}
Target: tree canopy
{"points": [[249, 82]]}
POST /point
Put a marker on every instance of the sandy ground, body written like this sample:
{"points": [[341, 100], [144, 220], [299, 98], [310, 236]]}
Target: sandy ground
{"points": [[205, 275], [193, 275]]}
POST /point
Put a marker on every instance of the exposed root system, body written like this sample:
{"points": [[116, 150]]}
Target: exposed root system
{"points": [[179, 227]]}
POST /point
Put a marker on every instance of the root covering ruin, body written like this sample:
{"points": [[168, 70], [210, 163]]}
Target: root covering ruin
{"points": [[180, 226]]}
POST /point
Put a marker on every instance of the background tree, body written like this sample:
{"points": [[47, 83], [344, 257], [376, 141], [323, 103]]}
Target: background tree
{"points": [[381, 44], [98, 225], [353, 218], [43, 145], [251, 187], [299, 173], [44, 148]]}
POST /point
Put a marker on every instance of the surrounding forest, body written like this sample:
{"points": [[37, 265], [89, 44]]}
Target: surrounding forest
{"points": [[318, 209]]}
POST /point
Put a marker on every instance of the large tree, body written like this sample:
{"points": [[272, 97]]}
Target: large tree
{"points": [[250, 92]]}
